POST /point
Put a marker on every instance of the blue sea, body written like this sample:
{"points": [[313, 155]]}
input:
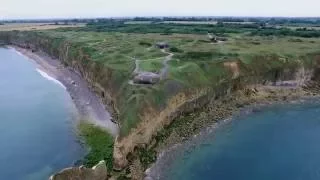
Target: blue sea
{"points": [[37, 122], [280, 142]]}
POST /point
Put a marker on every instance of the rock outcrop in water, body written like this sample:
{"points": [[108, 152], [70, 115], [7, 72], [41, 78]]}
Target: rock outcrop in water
{"points": [[98, 172]]}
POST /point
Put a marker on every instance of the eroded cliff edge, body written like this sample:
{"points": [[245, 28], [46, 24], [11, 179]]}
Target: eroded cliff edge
{"points": [[144, 111]]}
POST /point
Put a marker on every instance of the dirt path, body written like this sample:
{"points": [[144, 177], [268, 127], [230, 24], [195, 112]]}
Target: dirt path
{"points": [[163, 71], [137, 69]]}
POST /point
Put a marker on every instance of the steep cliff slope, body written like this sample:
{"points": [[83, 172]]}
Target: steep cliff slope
{"points": [[198, 72]]}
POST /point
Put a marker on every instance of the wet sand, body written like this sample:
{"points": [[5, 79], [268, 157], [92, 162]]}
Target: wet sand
{"points": [[88, 104]]}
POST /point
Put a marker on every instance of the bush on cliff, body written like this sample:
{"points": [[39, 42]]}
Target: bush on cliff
{"points": [[100, 144]]}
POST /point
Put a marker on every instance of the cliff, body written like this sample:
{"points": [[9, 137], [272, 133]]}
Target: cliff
{"points": [[98, 172], [142, 111]]}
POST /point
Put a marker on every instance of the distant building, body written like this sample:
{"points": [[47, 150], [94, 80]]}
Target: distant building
{"points": [[162, 45], [146, 78], [212, 38], [215, 39]]}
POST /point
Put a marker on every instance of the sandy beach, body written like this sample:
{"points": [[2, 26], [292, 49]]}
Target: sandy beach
{"points": [[88, 104]]}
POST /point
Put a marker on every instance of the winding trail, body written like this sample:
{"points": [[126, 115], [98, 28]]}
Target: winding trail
{"points": [[163, 71], [137, 63]]}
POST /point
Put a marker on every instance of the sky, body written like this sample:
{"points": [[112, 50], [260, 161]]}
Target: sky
{"points": [[26, 9]]}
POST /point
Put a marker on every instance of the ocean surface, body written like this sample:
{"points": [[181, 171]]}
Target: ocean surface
{"points": [[281, 142], [37, 121]]}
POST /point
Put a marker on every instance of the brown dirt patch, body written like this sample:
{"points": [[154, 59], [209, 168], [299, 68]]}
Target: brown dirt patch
{"points": [[233, 67]]}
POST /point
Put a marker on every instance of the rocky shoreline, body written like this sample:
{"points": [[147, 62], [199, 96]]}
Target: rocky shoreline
{"points": [[187, 125], [186, 130], [88, 104]]}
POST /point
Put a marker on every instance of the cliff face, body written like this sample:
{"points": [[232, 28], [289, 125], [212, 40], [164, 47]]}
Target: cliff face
{"points": [[73, 56], [111, 85], [98, 172], [154, 120]]}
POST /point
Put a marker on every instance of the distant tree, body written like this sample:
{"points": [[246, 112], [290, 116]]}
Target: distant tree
{"points": [[143, 43], [175, 49], [261, 24], [75, 20], [220, 23]]}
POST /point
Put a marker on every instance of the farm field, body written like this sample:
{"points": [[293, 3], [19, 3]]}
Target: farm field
{"points": [[33, 26]]}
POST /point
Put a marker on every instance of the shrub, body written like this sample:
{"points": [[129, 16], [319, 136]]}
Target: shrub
{"points": [[143, 43], [100, 144], [175, 49]]}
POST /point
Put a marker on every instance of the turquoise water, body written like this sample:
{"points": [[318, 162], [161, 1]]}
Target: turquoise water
{"points": [[278, 143], [36, 122]]}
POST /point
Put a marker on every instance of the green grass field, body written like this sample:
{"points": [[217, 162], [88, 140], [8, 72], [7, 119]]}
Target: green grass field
{"points": [[117, 50], [106, 55], [109, 52]]}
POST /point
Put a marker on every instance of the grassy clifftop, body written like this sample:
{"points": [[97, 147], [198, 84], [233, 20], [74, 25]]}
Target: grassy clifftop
{"points": [[198, 70]]}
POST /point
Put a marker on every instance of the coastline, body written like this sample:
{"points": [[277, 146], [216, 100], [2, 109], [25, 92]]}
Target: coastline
{"points": [[226, 107], [88, 104], [162, 168], [215, 115], [46, 76]]}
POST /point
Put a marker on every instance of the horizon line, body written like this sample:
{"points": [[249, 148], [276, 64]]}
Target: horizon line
{"points": [[159, 16]]}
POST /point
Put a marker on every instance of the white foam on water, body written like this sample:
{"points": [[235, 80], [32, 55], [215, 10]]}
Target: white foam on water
{"points": [[13, 49], [45, 75], [20, 54]]}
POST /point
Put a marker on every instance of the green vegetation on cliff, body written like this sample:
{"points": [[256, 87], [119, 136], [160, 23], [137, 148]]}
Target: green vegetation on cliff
{"points": [[107, 56], [107, 59], [100, 144]]}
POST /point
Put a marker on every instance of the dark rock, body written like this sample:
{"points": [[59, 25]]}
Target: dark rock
{"points": [[98, 172]]}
